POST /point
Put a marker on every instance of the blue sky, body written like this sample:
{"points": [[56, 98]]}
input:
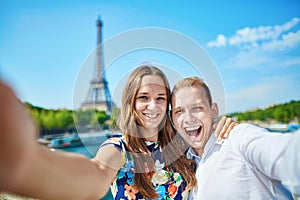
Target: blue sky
{"points": [[254, 45]]}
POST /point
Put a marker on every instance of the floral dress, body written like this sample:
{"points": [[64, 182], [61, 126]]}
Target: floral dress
{"points": [[169, 185]]}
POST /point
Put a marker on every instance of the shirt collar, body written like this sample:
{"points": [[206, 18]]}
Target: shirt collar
{"points": [[212, 141], [191, 154]]}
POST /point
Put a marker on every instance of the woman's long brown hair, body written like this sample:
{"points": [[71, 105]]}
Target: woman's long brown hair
{"points": [[174, 157]]}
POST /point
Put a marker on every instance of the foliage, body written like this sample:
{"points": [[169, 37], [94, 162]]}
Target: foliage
{"points": [[114, 117], [90, 118], [284, 113], [63, 118], [50, 119]]}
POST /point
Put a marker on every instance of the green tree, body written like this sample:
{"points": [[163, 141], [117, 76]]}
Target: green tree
{"points": [[102, 117], [114, 117], [85, 117], [48, 118], [64, 119], [281, 113]]}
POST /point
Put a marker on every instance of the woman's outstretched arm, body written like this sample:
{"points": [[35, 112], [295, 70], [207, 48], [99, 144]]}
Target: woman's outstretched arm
{"points": [[28, 169]]}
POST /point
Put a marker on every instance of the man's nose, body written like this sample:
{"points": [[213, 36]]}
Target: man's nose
{"points": [[189, 117]]}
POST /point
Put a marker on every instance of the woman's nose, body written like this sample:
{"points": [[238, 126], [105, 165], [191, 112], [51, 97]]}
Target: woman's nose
{"points": [[152, 104]]}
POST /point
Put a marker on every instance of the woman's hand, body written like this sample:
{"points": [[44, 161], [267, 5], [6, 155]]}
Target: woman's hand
{"points": [[17, 137], [223, 126]]}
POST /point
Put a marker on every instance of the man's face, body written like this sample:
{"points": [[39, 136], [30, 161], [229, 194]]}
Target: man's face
{"points": [[193, 116]]}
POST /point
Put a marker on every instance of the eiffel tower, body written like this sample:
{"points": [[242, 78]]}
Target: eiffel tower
{"points": [[98, 96]]}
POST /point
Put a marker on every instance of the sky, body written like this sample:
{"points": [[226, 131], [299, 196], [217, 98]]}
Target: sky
{"points": [[253, 46]]}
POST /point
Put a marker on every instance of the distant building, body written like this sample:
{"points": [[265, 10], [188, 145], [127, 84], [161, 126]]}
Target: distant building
{"points": [[98, 96]]}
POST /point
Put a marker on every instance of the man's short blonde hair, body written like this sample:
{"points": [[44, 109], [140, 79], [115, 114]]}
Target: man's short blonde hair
{"points": [[193, 81]]}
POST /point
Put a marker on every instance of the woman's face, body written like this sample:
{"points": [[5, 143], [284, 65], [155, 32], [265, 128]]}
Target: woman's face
{"points": [[151, 102]]}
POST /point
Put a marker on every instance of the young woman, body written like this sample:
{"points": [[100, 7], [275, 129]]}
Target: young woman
{"points": [[147, 162], [152, 165]]}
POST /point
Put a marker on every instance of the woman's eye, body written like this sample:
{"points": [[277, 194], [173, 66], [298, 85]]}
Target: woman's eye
{"points": [[142, 97], [161, 98]]}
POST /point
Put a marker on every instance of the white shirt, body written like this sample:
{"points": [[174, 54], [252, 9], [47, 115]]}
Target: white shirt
{"points": [[248, 165]]}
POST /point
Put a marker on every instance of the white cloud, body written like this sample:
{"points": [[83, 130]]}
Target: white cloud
{"points": [[274, 54], [289, 40], [257, 92], [272, 90], [247, 59], [221, 41], [259, 58], [264, 50], [291, 62], [290, 24], [258, 36]]}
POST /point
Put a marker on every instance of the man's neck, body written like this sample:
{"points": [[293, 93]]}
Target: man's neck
{"points": [[199, 152]]}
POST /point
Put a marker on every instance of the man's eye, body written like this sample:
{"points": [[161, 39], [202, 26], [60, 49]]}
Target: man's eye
{"points": [[197, 108], [177, 111]]}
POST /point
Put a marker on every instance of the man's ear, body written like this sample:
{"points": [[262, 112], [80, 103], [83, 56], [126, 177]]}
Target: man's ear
{"points": [[215, 110]]}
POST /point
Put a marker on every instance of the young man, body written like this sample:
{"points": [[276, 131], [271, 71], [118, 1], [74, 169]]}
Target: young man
{"points": [[251, 164]]}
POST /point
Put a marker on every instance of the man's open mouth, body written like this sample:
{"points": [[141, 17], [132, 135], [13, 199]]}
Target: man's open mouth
{"points": [[193, 131]]}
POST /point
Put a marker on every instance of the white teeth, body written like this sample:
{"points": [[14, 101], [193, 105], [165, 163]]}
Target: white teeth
{"points": [[192, 131], [192, 128], [151, 116]]}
